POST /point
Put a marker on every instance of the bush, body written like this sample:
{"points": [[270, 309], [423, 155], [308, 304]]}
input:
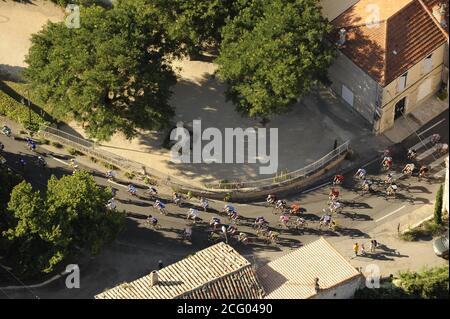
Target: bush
{"points": [[110, 166], [57, 145], [426, 284], [426, 230], [93, 159], [75, 152], [72, 151], [150, 181], [227, 197], [438, 206], [44, 141], [442, 95], [130, 175]]}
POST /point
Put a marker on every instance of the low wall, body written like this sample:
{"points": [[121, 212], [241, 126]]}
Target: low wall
{"points": [[237, 195], [243, 195]]}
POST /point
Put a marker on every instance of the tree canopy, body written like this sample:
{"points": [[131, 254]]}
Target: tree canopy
{"points": [[111, 74], [273, 53], [198, 23], [71, 218]]}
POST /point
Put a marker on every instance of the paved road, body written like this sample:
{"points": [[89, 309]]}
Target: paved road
{"points": [[138, 249]]}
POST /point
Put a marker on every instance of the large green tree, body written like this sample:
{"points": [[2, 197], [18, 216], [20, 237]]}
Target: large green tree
{"points": [[70, 219], [198, 23], [273, 53], [111, 74]]}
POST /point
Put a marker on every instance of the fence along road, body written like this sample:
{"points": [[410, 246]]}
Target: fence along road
{"points": [[88, 147]]}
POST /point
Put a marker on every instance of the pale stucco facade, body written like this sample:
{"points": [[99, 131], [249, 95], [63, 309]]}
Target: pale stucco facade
{"points": [[422, 81]]}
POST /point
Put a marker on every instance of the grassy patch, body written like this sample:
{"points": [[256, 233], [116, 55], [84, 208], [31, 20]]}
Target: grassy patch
{"points": [[427, 230]]}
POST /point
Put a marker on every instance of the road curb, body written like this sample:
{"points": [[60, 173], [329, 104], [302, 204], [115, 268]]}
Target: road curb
{"points": [[40, 285]]}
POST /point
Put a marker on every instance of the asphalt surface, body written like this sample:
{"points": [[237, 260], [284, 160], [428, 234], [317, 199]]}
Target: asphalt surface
{"points": [[137, 250]]}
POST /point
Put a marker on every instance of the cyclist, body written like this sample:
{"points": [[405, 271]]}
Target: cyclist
{"points": [[389, 179], [271, 199], [408, 169], [176, 198], [366, 186], [152, 191], [153, 221], [300, 222], [228, 209], [392, 190], [259, 222], [214, 223], [338, 179], [131, 189], [193, 213], [435, 138], [111, 205], [361, 173], [412, 154], [284, 219], [336, 207], [232, 229], [243, 238], [334, 194], [6, 130], [160, 206], [280, 205], [423, 171], [204, 203], [387, 163], [41, 161], [2, 146], [22, 162], [295, 209], [187, 233], [325, 220], [110, 175]]}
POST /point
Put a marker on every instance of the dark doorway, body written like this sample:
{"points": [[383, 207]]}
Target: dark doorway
{"points": [[400, 108]]}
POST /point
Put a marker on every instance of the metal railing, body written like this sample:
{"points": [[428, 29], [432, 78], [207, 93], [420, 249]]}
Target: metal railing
{"points": [[88, 147], [288, 177]]}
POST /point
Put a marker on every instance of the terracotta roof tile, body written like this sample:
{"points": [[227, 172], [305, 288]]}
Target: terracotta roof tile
{"points": [[403, 26], [292, 276], [217, 272]]}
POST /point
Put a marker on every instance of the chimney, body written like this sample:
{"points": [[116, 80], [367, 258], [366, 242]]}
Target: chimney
{"points": [[439, 13], [153, 278], [342, 36], [316, 285]]}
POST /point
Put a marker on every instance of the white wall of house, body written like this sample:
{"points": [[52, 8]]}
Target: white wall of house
{"points": [[343, 291], [423, 80]]}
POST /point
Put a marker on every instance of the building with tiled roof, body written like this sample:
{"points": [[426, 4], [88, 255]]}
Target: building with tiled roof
{"points": [[316, 270], [217, 272], [393, 55]]}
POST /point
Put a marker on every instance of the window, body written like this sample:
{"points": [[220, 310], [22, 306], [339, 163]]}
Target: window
{"points": [[347, 95], [402, 82], [427, 64]]}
